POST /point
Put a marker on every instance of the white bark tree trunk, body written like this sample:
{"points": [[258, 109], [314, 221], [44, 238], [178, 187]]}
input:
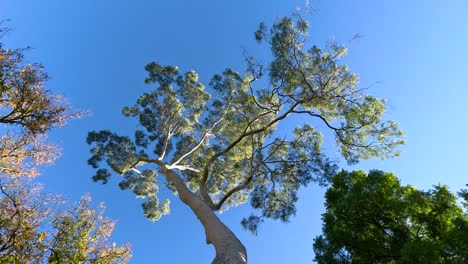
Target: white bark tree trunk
{"points": [[229, 249]]}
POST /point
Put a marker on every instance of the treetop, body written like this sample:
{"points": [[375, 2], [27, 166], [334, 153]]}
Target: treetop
{"points": [[224, 138]]}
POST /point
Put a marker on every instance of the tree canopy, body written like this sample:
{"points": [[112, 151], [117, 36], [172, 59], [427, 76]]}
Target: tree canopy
{"points": [[374, 219], [224, 139], [27, 111], [35, 227]]}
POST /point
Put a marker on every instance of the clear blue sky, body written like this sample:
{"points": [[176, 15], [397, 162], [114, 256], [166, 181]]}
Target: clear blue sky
{"points": [[95, 52]]}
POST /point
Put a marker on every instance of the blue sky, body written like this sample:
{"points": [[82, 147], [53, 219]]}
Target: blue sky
{"points": [[95, 53]]}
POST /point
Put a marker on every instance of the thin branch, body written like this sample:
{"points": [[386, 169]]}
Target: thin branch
{"points": [[275, 150], [252, 92], [166, 143], [320, 117]]}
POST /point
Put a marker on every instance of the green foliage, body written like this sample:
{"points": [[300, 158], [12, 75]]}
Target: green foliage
{"points": [[224, 139], [81, 236], [373, 219], [464, 195]]}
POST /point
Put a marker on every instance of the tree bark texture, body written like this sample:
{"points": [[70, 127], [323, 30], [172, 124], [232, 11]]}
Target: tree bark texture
{"points": [[229, 249]]}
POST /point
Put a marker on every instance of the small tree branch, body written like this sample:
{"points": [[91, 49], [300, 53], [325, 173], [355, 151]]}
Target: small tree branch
{"points": [[166, 143]]}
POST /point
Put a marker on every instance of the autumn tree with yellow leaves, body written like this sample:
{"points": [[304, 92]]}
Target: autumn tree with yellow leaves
{"points": [[36, 227], [77, 234]]}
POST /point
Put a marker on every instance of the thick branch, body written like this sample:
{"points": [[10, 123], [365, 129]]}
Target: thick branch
{"points": [[239, 187], [320, 117]]}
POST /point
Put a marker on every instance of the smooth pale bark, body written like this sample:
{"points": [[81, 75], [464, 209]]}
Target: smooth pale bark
{"points": [[229, 249]]}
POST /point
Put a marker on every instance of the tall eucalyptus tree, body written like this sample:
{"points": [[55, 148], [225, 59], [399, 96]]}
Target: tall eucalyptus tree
{"points": [[218, 147]]}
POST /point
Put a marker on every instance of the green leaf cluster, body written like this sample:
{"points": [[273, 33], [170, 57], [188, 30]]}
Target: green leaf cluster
{"points": [[374, 219]]}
